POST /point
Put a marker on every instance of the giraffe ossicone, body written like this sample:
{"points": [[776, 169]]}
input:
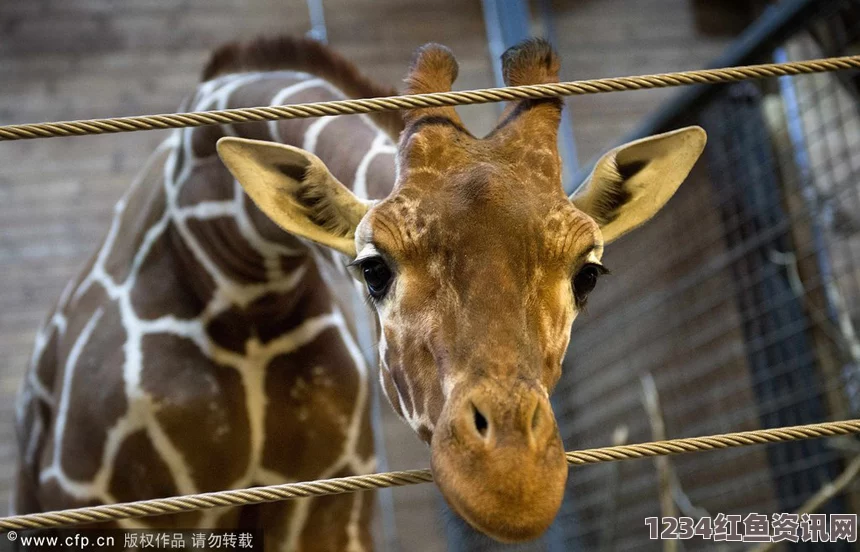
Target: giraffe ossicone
{"points": [[476, 264], [212, 341]]}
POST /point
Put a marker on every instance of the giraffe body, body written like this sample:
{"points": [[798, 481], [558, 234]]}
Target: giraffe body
{"points": [[204, 348]]}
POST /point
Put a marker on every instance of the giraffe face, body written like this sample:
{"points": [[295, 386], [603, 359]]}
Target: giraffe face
{"points": [[477, 277], [476, 265], [476, 285]]}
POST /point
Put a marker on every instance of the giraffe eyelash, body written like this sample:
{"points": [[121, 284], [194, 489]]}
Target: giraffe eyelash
{"points": [[369, 300]]}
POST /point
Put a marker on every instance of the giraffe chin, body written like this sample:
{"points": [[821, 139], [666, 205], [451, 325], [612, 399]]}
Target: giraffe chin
{"points": [[506, 487]]}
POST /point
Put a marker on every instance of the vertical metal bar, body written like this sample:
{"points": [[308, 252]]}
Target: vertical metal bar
{"points": [[567, 142], [742, 167], [317, 16], [384, 497], [507, 23], [801, 158], [820, 218], [495, 41]]}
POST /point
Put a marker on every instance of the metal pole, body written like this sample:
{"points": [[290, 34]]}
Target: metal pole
{"points": [[507, 23], [385, 497], [318, 29], [570, 157]]}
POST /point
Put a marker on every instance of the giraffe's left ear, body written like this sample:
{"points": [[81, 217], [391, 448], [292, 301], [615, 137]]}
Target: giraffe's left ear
{"points": [[296, 190], [632, 182]]}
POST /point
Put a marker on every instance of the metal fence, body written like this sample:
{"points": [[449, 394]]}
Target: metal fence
{"points": [[736, 308]]}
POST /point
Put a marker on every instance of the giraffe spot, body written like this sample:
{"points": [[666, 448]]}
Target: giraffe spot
{"points": [[273, 517], [93, 409], [144, 206], [275, 314], [341, 161], [201, 406], [280, 313], [209, 181], [230, 329], [139, 471], [271, 315], [170, 281], [203, 140], [291, 263], [326, 527], [72, 301], [300, 450], [244, 517], [235, 258]]}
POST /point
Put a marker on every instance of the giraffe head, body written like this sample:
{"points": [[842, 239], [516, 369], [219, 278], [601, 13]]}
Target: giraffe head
{"points": [[476, 264]]}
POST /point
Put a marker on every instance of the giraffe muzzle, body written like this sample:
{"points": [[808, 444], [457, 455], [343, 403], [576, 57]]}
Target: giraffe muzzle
{"points": [[498, 459]]}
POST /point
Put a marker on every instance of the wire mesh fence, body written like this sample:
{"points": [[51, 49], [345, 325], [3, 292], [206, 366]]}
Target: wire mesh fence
{"points": [[742, 302]]}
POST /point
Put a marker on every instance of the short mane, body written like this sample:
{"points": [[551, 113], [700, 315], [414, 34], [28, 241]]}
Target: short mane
{"points": [[308, 56]]}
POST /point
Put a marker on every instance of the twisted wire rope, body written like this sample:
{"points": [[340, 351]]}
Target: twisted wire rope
{"points": [[273, 493], [436, 99]]}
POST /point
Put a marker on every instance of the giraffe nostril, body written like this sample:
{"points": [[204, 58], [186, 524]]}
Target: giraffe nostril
{"points": [[480, 421]]}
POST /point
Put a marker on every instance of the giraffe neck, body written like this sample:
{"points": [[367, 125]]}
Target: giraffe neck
{"points": [[189, 255], [254, 330]]}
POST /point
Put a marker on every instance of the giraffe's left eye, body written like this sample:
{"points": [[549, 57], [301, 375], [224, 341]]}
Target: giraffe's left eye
{"points": [[377, 276], [585, 281]]}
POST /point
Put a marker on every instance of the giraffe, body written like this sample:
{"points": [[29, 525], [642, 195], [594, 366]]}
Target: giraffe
{"points": [[204, 348], [218, 314], [475, 265]]}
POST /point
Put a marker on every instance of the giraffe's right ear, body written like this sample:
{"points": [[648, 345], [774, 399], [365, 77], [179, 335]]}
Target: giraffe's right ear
{"points": [[296, 190], [631, 183]]}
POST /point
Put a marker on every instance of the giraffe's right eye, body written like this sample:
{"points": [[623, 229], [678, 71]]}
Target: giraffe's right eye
{"points": [[377, 276]]}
